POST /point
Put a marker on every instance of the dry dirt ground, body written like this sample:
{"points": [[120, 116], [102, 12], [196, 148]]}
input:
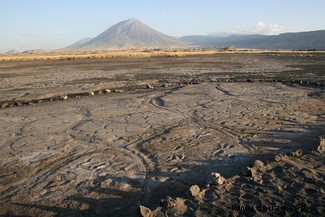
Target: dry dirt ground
{"points": [[151, 145]]}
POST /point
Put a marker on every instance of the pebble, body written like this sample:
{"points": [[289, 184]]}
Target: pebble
{"points": [[217, 179], [145, 212], [252, 172], [64, 97], [279, 157], [321, 146], [258, 164], [297, 153], [18, 104], [118, 91], [5, 105], [195, 190], [168, 202]]}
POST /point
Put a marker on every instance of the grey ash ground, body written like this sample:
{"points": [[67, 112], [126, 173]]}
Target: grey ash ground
{"points": [[107, 154]]}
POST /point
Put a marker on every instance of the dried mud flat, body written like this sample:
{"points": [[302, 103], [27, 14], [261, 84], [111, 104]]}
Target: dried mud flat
{"points": [[150, 146]]}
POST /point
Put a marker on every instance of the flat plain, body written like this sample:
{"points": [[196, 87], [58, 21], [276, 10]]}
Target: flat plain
{"points": [[141, 136]]}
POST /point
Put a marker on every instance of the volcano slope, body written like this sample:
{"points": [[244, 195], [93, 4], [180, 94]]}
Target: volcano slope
{"points": [[108, 153]]}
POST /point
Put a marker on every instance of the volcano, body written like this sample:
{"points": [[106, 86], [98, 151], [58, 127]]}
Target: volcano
{"points": [[129, 34]]}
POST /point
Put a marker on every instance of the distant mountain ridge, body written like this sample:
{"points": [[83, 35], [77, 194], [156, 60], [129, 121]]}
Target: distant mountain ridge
{"points": [[300, 40], [133, 33], [128, 34]]}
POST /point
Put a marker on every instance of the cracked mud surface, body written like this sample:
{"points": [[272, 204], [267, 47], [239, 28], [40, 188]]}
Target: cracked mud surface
{"points": [[105, 155]]}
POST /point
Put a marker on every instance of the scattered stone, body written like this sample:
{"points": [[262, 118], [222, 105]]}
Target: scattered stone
{"points": [[168, 202], [149, 86], [19, 104], [91, 93], [297, 153], [64, 97], [194, 81], [118, 91], [12, 103], [195, 190], [321, 146], [252, 172], [5, 105], [217, 179], [100, 92], [107, 90], [280, 157], [40, 101], [258, 165], [145, 212]]}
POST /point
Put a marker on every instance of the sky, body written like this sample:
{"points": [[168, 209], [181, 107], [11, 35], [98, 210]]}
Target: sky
{"points": [[53, 24]]}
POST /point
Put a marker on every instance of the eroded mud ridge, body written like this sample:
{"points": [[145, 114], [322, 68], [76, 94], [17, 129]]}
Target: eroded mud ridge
{"points": [[107, 154]]}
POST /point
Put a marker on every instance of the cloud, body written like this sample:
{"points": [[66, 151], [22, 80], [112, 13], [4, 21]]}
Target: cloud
{"points": [[268, 29]]}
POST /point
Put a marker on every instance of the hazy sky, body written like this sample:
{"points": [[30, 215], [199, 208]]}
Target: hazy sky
{"points": [[51, 24]]}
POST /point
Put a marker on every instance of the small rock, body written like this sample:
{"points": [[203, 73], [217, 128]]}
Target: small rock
{"points": [[279, 157], [321, 146], [220, 180], [252, 172], [18, 104], [91, 93], [100, 92], [217, 179], [149, 86], [118, 91], [107, 90], [145, 212], [5, 105], [195, 190], [168, 202], [258, 164], [59, 178], [64, 97], [297, 153]]}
